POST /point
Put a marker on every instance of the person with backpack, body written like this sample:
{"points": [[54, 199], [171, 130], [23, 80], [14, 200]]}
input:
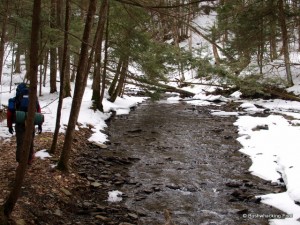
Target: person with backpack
{"points": [[16, 113]]}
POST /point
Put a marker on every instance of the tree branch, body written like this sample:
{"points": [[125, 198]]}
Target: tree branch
{"points": [[134, 3]]}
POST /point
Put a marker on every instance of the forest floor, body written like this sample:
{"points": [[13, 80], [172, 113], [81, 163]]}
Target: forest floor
{"points": [[52, 197], [81, 196]]}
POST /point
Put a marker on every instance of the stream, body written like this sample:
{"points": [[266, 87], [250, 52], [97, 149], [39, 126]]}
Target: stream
{"points": [[187, 167]]}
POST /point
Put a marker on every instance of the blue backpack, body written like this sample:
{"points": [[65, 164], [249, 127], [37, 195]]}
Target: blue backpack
{"points": [[22, 97], [19, 106], [21, 101]]}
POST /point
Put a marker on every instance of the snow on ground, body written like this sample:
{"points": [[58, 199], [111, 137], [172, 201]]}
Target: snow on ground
{"points": [[271, 142], [87, 116]]}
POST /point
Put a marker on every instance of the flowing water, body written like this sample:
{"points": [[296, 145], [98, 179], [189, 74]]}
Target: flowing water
{"points": [[186, 166]]}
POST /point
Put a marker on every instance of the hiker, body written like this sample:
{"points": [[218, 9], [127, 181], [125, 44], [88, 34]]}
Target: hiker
{"points": [[18, 107]]}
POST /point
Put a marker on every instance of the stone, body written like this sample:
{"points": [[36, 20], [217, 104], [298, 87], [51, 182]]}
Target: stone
{"points": [[133, 216], [243, 211], [58, 212], [148, 191], [90, 178], [233, 184], [95, 184], [66, 192], [103, 218], [100, 145], [20, 222]]}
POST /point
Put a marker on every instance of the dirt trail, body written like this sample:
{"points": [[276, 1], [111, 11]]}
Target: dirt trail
{"points": [[186, 162]]}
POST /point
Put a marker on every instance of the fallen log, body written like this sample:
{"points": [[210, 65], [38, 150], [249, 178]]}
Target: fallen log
{"points": [[159, 86], [282, 94]]}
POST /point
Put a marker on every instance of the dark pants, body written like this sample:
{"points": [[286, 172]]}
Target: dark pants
{"points": [[20, 133]]}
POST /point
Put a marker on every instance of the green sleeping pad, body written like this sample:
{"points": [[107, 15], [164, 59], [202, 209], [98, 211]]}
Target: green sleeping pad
{"points": [[21, 117]]}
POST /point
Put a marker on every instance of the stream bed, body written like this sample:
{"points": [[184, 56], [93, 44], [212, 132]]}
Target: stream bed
{"points": [[187, 167]]}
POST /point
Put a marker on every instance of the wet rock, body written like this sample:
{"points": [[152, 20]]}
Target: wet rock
{"points": [[237, 193], [243, 211], [82, 173], [191, 189], [120, 182], [217, 130], [240, 195], [156, 189], [140, 198], [173, 187], [228, 137], [133, 216], [135, 131], [118, 160], [131, 182], [169, 159], [133, 159], [256, 199], [87, 204], [105, 177], [261, 127], [90, 178], [233, 184], [148, 191], [249, 184]]}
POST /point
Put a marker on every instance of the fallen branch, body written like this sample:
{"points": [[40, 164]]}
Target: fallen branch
{"points": [[282, 94], [158, 86]]}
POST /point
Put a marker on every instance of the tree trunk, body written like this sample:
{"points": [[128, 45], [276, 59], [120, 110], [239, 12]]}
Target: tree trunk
{"points": [[100, 105], [285, 43], [53, 52], [67, 76], [74, 68], [298, 24], [3, 39], [62, 79], [98, 51], [273, 45], [121, 80], [18, 59], [81, 79], [21, 170], [45, 68], [59, 25], [115, 80]]}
